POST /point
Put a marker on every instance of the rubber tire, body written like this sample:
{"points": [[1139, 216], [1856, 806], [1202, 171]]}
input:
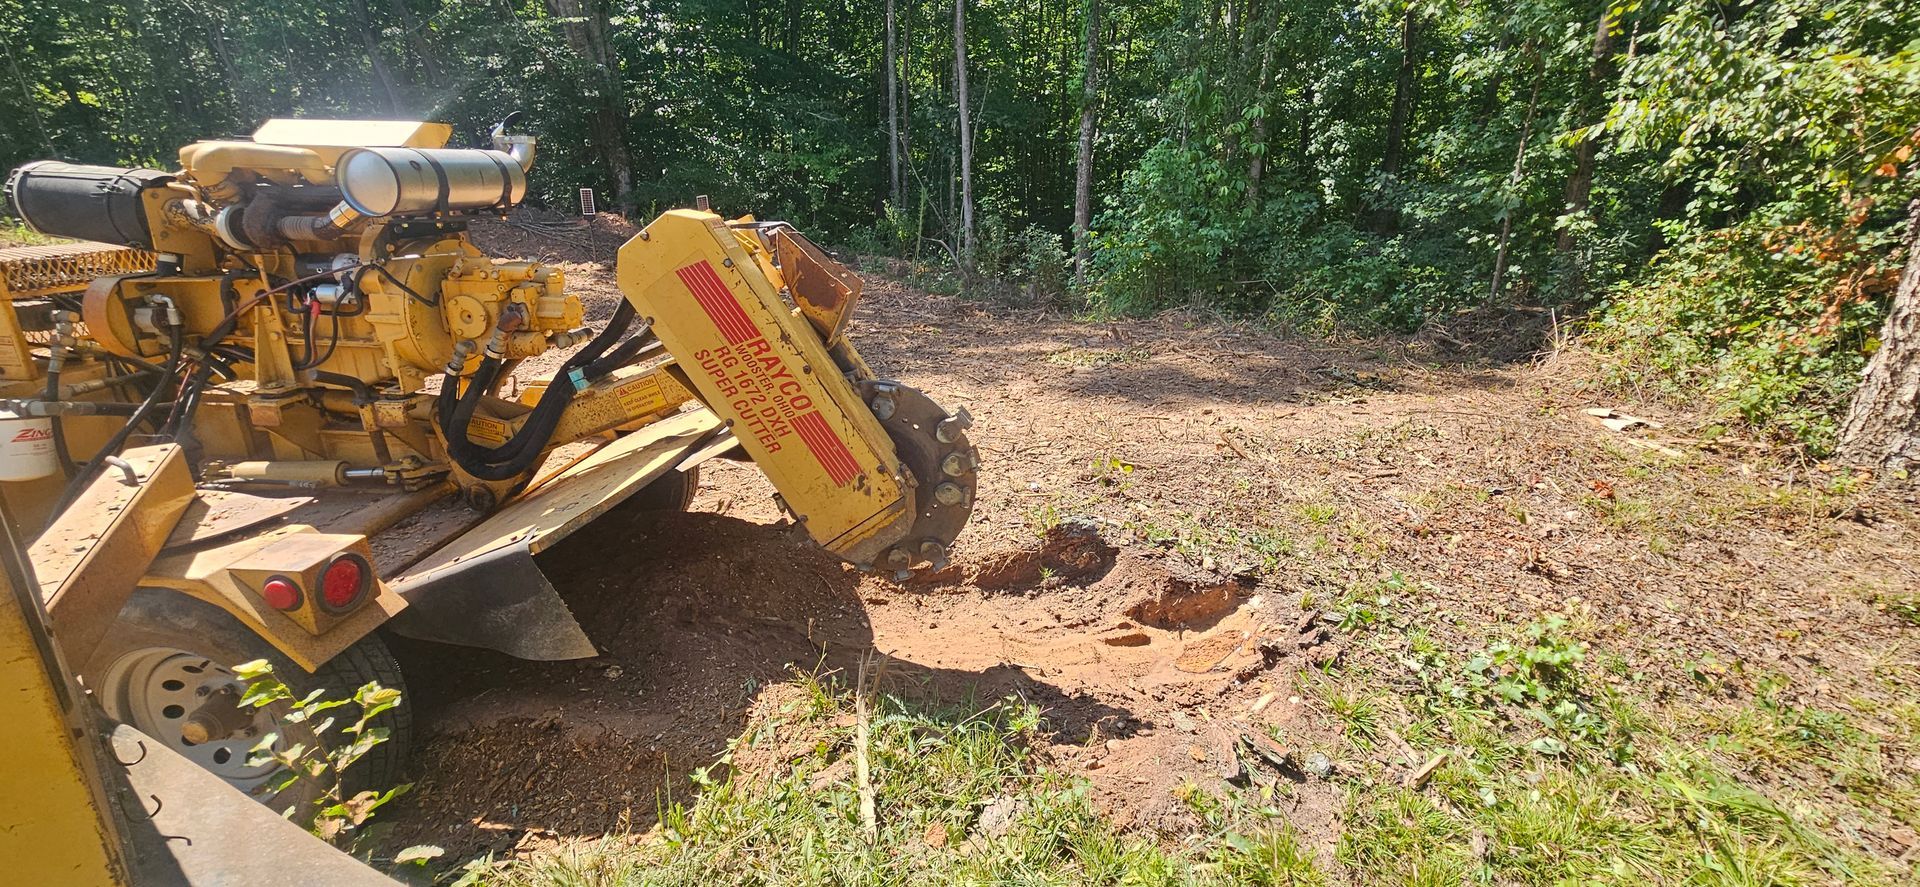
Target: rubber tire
{"points": [[156, 617], [673, 491]]}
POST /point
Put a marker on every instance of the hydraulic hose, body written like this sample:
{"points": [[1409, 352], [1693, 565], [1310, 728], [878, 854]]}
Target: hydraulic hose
{"points": [[524, 449], [160, 389]]}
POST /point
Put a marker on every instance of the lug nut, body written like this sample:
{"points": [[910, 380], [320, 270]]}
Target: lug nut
{"points": [[949, 494]]}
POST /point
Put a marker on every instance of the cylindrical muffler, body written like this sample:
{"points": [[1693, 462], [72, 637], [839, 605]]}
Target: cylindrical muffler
{"points": [[100, 203], [26, 447], [410, 181]]}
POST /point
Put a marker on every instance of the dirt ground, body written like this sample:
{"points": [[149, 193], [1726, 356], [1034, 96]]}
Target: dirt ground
{"points": [[1173, 515]]}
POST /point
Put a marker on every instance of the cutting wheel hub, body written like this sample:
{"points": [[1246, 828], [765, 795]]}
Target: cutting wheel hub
{"points": [[941, 465]]}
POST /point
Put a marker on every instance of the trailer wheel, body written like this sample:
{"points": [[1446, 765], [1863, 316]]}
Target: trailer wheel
{"points": [[166, 668], [672, 491]]}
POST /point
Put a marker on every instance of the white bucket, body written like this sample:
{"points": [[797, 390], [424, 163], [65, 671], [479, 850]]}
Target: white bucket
{"points": [[26, 447]]}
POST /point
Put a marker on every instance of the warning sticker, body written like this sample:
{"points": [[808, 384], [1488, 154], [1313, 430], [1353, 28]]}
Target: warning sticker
{"points": [[772, 406], [641, 396], [487, 430]]}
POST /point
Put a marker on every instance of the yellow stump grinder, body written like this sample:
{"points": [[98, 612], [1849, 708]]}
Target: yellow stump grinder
{"points": [[278, 398]]}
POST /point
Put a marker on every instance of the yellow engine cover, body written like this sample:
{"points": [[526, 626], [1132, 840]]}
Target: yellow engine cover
{"points": [[764, 369]]}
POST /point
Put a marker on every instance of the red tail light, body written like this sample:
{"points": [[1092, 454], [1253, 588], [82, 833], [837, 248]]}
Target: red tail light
{"points": [[344, 583], [281, 594]]}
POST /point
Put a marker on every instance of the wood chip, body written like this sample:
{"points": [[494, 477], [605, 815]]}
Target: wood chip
{"points": [[1417, 780]]}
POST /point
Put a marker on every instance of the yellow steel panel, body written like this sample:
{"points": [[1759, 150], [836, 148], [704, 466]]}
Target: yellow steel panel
{"points": [[583, 492], [52, 827], [766, 371], [353, 133], [89, 560]]}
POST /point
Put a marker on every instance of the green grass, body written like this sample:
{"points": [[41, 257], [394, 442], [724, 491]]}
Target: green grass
{"points": [[936, 771], [1550, 780]]}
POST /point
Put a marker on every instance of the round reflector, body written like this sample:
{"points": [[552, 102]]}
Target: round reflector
{"points": [[343, 582], [280, 594]]}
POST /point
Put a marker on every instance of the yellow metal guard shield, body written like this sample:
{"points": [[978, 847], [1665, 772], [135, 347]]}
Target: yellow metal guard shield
{"points": [[761, 367]]}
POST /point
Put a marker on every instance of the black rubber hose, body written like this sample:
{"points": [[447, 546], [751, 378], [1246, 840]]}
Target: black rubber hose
{"points": [[520, 453], [59, 428], [167, 373]]}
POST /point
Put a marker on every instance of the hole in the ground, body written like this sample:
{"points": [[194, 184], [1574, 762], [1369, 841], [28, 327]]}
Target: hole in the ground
{"points": [[1073, 551], [1186, 606]]}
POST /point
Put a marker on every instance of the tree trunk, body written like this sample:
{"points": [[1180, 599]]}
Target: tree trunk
{"points": [[1083, 168], [1580, 184], [1257, 146], [418, 39], [893, 114], [1405, 83], [1882, 428], [1513, 183], [372, 43], [586, 24], [966, 131], [31, 106]]}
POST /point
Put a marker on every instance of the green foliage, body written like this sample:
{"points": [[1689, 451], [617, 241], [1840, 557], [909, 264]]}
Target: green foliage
{"points": [[333, 816], [1789, 132], [1681, 807]]}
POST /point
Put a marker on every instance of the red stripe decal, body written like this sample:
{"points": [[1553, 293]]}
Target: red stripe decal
{"points": [[827, 447], [722, 307]]}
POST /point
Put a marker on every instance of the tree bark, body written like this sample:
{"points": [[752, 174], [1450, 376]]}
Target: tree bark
{"points": [[1083, 168], [894, 184], [1882, 428], [372, 43], [586, 24], [1257, 145], [1580, 184], [1513, 183], [1406, 82], [966, 130]]}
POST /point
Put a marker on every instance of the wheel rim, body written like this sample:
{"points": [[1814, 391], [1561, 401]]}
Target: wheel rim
{"points": [[156, 688]]}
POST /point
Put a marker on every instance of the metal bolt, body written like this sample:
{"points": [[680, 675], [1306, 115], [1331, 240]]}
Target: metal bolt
{"points": [[645, 236], [726, 263], [949, 494]]}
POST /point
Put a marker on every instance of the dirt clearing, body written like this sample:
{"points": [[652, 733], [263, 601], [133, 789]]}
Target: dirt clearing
{"points": [[1218, 560]]}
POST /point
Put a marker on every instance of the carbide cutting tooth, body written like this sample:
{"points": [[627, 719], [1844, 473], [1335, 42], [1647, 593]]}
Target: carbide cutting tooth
{"points": [[935, 554], [955, 464], [883, 407], [949, 428], [949, 494]]}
